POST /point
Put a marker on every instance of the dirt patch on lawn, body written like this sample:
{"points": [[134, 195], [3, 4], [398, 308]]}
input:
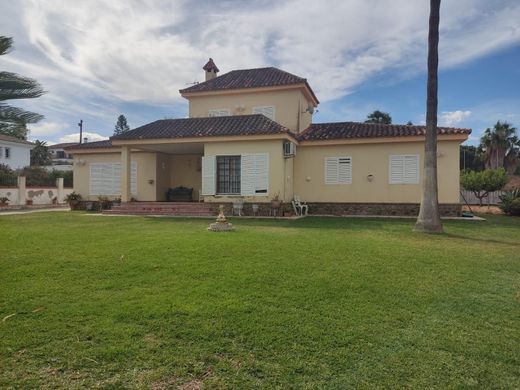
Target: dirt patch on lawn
{"points": [[483, 209]]}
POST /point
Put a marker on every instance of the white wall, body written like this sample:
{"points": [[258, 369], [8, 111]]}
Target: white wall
{"points": [[20, 155]]}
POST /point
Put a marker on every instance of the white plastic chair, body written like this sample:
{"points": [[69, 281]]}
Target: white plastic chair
{"points": [[300, 208]]}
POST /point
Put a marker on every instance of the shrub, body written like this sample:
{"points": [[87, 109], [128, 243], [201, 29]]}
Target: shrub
{"points": [[483, 182], [36, 176], [73, 196], [510, 202]]}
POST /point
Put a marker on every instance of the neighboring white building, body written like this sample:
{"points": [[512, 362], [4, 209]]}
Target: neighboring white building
{"points": [[14, 152]]}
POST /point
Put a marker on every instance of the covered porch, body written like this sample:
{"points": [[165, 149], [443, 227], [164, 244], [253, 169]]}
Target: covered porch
{"points": [[168, 166]]}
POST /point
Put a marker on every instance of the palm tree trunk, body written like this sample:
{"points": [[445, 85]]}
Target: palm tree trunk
{"points": [[429, 220]]}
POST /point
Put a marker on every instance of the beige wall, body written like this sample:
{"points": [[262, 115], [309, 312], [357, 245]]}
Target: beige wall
{"points": [[146, 164], [162, 176], [280, 177], [372, 159], [290, 106], [185, 170]]}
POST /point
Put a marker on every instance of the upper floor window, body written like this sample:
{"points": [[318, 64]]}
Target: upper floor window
{"points": [[220, 112], [338, 170], [7, 152], [404, 169], [268, 111]]}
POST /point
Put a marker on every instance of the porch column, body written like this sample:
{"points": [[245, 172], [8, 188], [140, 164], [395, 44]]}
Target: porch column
{"points": [[125, 173]]}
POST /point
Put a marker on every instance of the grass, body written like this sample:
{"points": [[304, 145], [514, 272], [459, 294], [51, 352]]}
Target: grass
{"points": [[313, 303]]}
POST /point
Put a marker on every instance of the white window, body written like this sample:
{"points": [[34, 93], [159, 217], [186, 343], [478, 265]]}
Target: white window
{"points": [[268, 111], [220, 112], [105, 179], [338, 170], [222, 175], [7, 152], [403, 169]]}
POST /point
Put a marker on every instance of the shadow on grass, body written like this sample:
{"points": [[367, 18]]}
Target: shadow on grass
{"points": [[479, 239]]}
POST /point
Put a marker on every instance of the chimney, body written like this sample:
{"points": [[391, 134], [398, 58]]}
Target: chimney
{"points": [[211, 69], [85, 140]]}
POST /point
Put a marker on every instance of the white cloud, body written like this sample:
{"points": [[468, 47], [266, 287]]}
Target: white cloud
{"points": [[93, 55], [46, 128], [450, 118], [75, 137]]}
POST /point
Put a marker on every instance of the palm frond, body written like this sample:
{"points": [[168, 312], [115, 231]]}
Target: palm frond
{"points": [[13, 86], [5, 44]]}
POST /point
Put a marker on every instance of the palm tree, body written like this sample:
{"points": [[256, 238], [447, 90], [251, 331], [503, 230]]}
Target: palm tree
{"points": [[13, 120], [500, 146], [429, 220]]}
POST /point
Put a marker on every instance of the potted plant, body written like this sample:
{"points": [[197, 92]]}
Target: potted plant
{"points": [[73, 199], [4, 201], [104, 202], [276, 203]]}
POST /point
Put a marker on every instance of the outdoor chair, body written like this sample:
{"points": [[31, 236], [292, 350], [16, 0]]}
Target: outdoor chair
{"points": [[300, 208], [238, 205]]}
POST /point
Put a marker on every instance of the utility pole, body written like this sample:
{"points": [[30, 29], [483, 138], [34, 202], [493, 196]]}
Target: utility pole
{"points": [[80, 124]]}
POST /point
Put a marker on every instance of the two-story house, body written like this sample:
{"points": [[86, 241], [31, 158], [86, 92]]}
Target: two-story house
{"points": [[15, 152], [250, 136]]}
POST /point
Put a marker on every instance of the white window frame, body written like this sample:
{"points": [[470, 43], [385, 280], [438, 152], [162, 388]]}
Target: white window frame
{"points": [[219, 112], [262, 110], [401, 177], [343, 171]]}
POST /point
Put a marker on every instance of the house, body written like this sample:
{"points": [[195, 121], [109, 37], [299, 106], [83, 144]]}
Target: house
{"points": [[250, 136], [15, 152], [61, 158]]}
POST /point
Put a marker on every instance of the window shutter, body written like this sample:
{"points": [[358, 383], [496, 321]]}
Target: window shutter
{"points": [[208, 175], [338, 170], [396, 169], [268, 111], [220, 112], [411, 170], [404, 169], [254, 174], [105, 179]]}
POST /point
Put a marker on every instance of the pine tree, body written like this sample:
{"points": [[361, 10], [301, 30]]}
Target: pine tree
{"points": [[121, 125]]}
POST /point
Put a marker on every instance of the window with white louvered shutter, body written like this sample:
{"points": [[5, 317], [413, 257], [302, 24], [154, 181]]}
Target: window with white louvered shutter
{"points": [[403, 169], [105, 179], [220, 112], [338, 170], [268, 111], [254, 175]]}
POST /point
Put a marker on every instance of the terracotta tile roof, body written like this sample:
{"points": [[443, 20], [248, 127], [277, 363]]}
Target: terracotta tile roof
{"points": [[91, 145], [62, 145], [205, 127], [8, 138], [347, 130], [249, 78]]}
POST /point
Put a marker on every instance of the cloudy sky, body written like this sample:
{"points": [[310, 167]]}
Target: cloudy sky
{"points": [[98, 59]]}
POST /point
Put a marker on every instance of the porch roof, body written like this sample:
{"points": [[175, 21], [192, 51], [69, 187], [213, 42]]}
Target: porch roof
{"points": [[241, 125]]}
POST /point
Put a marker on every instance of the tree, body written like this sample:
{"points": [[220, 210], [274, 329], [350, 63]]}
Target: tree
{"points": [[14, 120], [379, 117], [40, 154], [121, 125], [429, 220], [409, 123], [501, 147], [483, 182], [470, 158]]}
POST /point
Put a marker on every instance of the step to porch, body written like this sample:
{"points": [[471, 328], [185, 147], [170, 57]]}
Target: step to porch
{"points": [[186, 209]]}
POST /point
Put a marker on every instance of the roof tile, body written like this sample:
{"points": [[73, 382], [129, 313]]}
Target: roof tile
{"points": [[348, 130]]}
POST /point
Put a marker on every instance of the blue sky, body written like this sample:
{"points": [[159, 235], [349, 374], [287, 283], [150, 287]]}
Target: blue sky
{"points": [[99, 59]]}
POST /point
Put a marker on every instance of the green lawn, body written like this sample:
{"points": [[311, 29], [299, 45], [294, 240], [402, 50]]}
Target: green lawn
{"points": [[314, 303]]}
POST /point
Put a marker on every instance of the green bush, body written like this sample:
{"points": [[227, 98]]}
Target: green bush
{"points": [[483, 182], [510, 202]]}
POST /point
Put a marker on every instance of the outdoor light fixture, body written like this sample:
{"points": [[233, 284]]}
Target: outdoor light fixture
{"points": [[370, 177]]}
